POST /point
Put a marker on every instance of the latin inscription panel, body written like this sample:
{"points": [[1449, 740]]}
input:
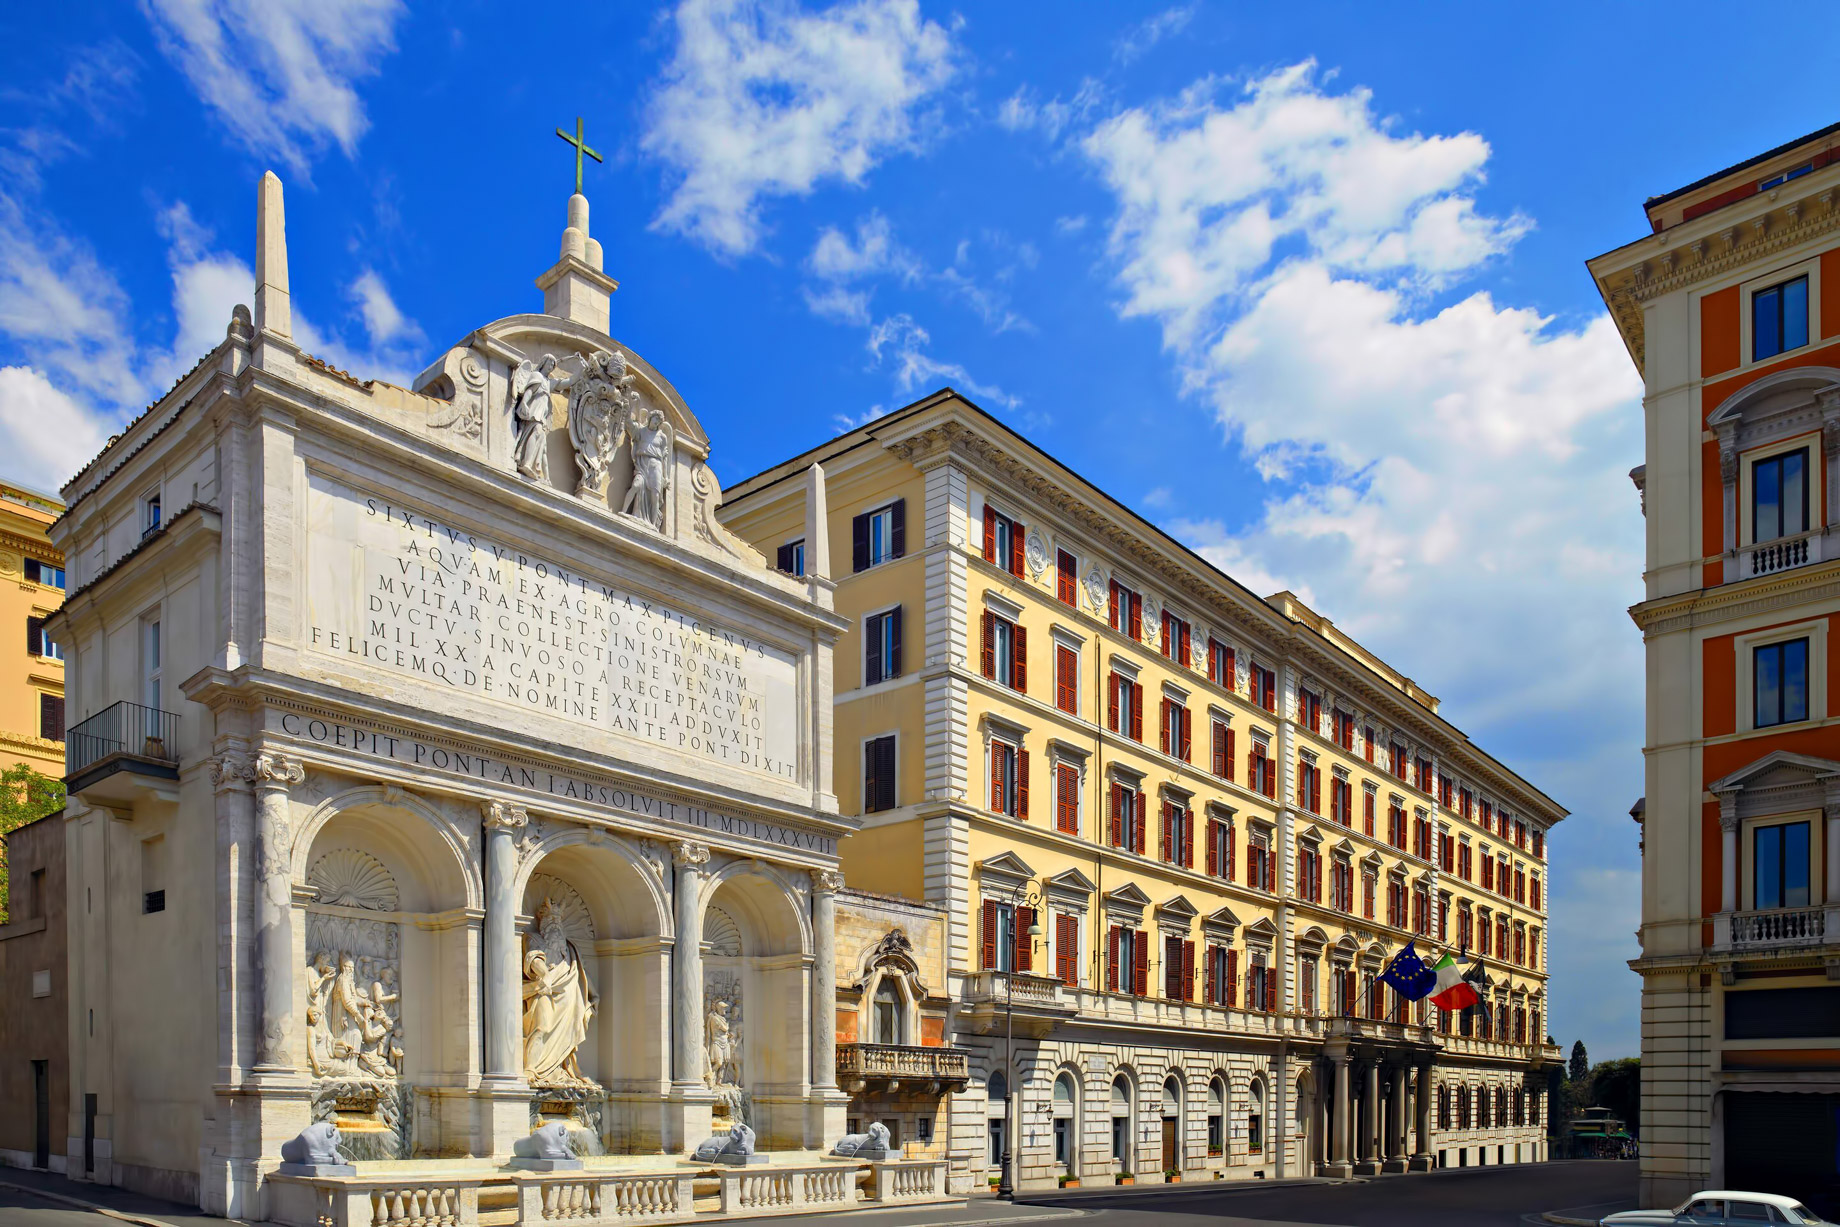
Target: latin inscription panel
{"points": [[399, 589]]}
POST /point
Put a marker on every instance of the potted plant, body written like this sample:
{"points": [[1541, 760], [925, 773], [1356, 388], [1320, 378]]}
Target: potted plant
{"points": [[1069, 1182], [1171, 1176], [1125, 1178]]}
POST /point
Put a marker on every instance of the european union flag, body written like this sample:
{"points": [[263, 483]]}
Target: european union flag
{"points": [[1408, 975]]}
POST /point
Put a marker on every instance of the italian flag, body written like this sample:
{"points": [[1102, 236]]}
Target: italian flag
{"points": [[1452, 991]]}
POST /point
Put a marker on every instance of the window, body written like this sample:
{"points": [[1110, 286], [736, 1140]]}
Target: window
{"points": [[1175, 639], [1342, 728], [1368, 741], [1175, 729], [1066, 582], [1465, 926], [150, 514], [1396, 825], [1488, 870], [150, 662], [791, 558], [44, 573], [1063, 1120], [1533, 892], [1009, 779], [1178, 844], [1121, 1123], [1779, 683], [882, 637], [1309, 711], [1539, 845], [1463, 860], [1126, 611], [1261, 769], [1369, 802], [1002, 541], [1216, 1126], [1369, 884], [1520, 946], [1067, 798], [878, 774], [1260, 986], [1255, 1118], [887, 1018], [1223, 750], [1067, 679], [38, 643], [1127, 818], [1396, 902], [1421, 909], [1341, 886], [1422, 774], [1124, 707], [1220, 849], [1220, 667], [1260, 870], [1309, 873], [1178, 968], [1006, 652], [1779, 866], [1128, 968], [1006, 942], [1779, 319], [1779, 496], [1306, 983], [1222, 978], [1341, 800], [1309, 786], [1265, 688], [878, 536], [1067, 948], [1396, 755], [1421, 837]]}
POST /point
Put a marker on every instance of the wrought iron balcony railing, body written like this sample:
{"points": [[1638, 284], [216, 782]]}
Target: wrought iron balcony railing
{"points": [[128, 731]]}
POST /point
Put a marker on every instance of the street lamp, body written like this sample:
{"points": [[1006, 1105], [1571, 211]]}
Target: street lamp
{"points": [[1024, 891]]}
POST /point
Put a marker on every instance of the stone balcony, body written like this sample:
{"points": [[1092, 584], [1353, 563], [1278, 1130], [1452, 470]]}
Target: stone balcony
{"points": [[1777, 931], [1784, 553], [1031, 1004], [902, 1067]]}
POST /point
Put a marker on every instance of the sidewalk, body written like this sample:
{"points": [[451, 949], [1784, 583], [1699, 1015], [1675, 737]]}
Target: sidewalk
{"points": [[102, 1199]]}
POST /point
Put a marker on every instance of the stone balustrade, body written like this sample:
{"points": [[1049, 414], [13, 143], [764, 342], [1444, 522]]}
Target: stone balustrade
{"points": [[593, 1198], [1788, 926], [920, 1180], [782, 1190], [346, 1201], [863, 1062]]}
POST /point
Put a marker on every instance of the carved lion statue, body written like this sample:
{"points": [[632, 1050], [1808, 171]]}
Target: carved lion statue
{"points": [[739, 1140], [551, 1141], [316, 1144], [874, 1142]]}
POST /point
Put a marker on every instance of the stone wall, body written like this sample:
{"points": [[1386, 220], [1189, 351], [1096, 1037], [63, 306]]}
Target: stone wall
{"points": [[34, 973]]}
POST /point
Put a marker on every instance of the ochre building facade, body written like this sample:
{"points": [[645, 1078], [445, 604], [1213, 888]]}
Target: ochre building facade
{"points": [[32, 664], [1730, 308], [1176, 830]]}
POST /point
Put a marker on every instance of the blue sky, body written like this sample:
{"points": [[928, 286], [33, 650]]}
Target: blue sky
{"points": [[1304, 285]]}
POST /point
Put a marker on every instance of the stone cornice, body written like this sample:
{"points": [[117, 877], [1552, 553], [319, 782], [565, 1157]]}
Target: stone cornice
{"points": [[1732, 602]]}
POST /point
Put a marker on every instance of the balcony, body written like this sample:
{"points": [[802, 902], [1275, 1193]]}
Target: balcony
{"points": [[996, 1000], [1775, 929], [893, 1067], [122, 752], [1782, 554]]}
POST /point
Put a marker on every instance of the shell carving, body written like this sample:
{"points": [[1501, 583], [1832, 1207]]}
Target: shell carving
{"points": [[346, 877]]}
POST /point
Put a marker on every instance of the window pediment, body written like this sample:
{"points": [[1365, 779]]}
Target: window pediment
{"points": [[1005, 870]]}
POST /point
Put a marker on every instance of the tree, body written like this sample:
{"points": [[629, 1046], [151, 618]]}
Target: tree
{"points": [[1581, 1064], [25, 796], [1617, 1085]]}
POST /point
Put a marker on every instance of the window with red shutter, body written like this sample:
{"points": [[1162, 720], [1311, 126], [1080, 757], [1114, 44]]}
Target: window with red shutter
{"points": [[1117, 815], [1211, 977], [1369, 802], [1019, 659], [1113, 941], [1184, 726], [1025, 944], [988, 953], [1066, 679], [1140, 964], [1113, 685], [1067, 949], [1066, 581], [1188, 971], [1067, 798], [988, 653], [1233, 978]]}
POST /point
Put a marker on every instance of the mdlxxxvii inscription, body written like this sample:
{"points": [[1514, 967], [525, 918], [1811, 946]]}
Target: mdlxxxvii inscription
{"points": [[403, 591]]}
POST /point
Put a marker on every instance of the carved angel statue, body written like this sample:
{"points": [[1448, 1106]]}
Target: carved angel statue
{"points": [[531, 384], [598, 409], [645, 498], [559, 1000]]}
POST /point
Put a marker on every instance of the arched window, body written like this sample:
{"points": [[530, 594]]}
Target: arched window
{"points": [[1482, 1107], [1066, 1128], [1121, 1123], [1501, 1107], [996, 1090], [1172, 1097], [1463, 1107], [1255, 1120], [887, 1019], [1217, 1114]]}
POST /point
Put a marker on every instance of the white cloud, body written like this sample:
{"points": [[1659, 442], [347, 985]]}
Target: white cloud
{"points": [[902, 342], [1070, 225], [1153, 30], [874, 253], [1448, 482], [44, 434], [280, 75], [1020, 112], [383, 319], [764, 99], [59, 303]]}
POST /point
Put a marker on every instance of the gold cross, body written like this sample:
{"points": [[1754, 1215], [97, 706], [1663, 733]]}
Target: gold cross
{"points": [[580, 149]]}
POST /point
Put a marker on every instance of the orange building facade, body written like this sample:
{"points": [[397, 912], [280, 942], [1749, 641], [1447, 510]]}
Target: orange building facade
{"points": [[1730, 308]]}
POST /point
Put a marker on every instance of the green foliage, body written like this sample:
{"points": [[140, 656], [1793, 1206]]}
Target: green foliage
{"points": [[1617, 1085], [1581, 1064], [25, 795]]}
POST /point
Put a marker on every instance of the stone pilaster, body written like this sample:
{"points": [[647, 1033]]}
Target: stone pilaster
{"points": [[1396, 1123], [503, 1095], [1339, 1132], [691, 1100], [273, 774], [1368, 1163], [1421, 1151]]}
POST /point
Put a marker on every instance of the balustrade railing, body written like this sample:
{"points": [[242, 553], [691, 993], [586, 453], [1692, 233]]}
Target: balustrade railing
{"points": [[122, 728], [900, 1061], [1789, 926], [1781, 555], [1020, 986]]}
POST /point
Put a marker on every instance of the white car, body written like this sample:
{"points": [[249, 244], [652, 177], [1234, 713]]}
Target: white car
{"points": [[1717, 1208]]}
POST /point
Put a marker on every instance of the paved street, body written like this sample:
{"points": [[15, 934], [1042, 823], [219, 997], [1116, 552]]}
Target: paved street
{"points": [[1464, 1197]]}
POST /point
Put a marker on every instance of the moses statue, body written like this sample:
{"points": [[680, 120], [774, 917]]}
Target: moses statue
{"points": [[559, 1001]]}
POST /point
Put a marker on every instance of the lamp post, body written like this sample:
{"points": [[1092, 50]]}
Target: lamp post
{"points": [[1024, 891]]}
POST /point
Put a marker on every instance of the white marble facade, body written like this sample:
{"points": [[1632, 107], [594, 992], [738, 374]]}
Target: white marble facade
{"points": [[497, 788]]}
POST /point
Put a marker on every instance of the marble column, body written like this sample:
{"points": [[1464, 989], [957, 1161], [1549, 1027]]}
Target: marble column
{"points": [[503, 988], [824, 887], [687, 966], [1370, 1121], [272, 775], [1339, 1132], [1728, 852], [1421, 1153], [1396, 1123]]}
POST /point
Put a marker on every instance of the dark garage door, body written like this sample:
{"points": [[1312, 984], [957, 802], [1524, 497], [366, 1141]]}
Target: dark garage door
{"points": [[1784, 1144]]}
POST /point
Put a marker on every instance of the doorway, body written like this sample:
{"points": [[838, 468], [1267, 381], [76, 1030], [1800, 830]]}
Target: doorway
{"points": [[1169, 1145], [41, 1098]]}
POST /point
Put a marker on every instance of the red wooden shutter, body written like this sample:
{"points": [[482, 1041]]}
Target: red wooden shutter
{"points": [[1111, 702], [1162, 725], [1111, 604], [1065, 684], [1022, 783], [1166, 846], [1138, 804], [51, 717], [1188, 840], [1185, 655], [1184, 722], [1188, 971], [1211, 987], [1066, 937], [997, 751], [990, 934], [1025, 945], [897, 529], [1140, 965], [1066, 810], [1137, 616], [1316, 792], [1232, 853], [1137, 713], [1233, 977], [1019, 659], [990, 534], [1230, 753], [1218, 746], [1117, 815], [1111, 961], [988, 660], [1213, 848], [1015, 549]]}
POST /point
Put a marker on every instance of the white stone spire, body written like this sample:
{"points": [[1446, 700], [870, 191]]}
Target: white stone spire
{"points": [[575, 288], [817, 526], [273, 313]]}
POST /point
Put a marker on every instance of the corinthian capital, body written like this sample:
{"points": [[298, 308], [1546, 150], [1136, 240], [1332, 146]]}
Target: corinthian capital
{"points": [[277, 770], [231, 769], [827, 881], [690, 854], [502, 815]]}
